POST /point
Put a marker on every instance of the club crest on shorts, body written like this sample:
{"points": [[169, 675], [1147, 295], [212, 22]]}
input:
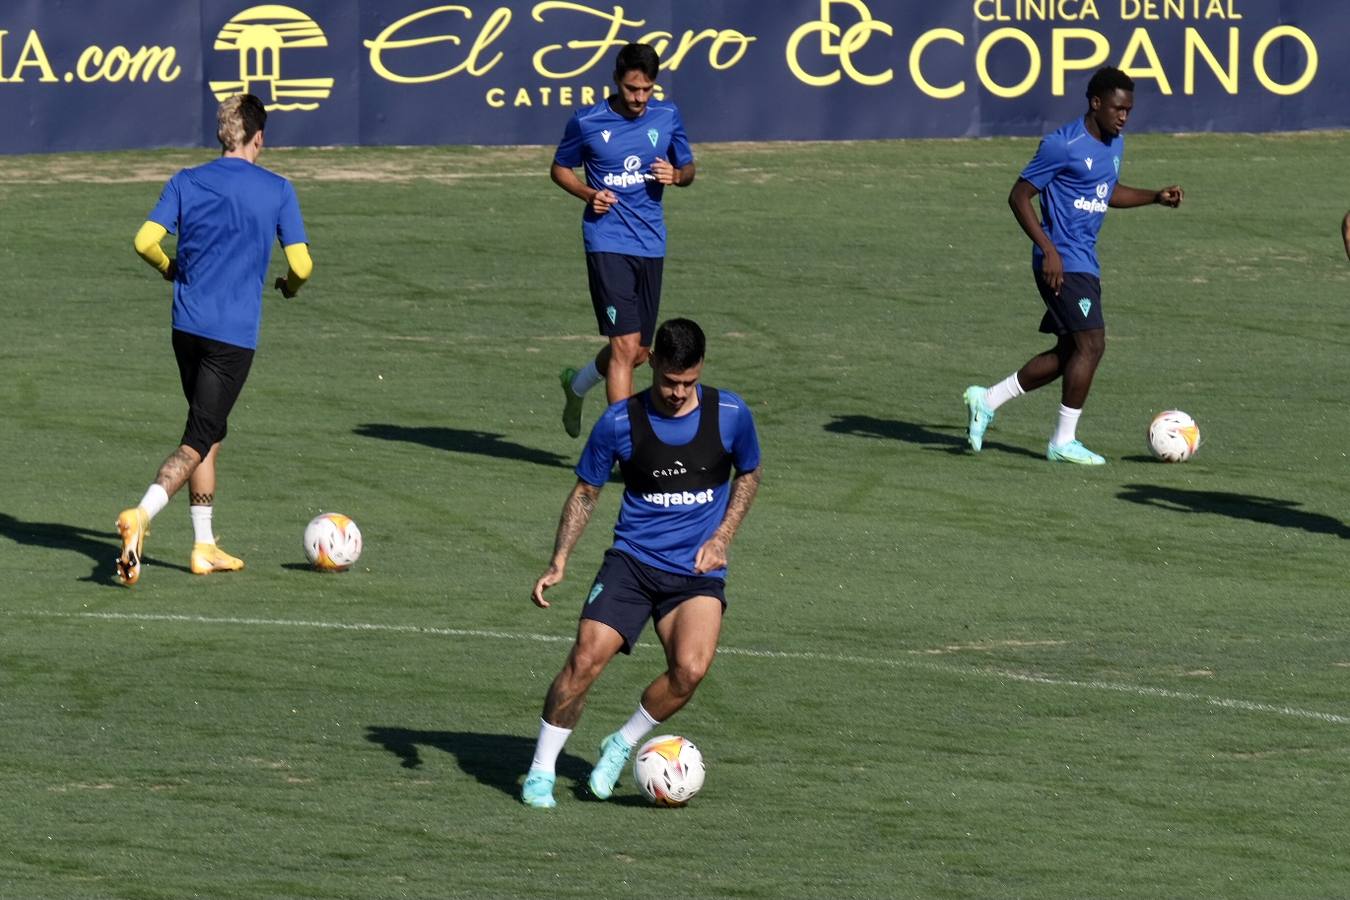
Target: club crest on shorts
{"points": [[595, 592], [1086, 306], [653, 135], [612, 313]]}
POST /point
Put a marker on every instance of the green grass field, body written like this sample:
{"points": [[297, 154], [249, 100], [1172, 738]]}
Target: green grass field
{"points": [[943, 675]]}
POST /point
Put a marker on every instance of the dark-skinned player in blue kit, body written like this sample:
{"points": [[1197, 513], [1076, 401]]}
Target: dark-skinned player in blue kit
{"points": [[1076, 172], [676, 445], [631, 146]]}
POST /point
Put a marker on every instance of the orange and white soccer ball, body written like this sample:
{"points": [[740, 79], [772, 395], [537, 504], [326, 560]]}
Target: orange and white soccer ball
{"points": [[669, 770], [332, 542], [1173, 436]]}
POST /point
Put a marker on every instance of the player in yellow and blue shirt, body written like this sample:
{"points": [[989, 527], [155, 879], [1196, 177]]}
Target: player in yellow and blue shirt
{"points": [[1076, 172], [631, 146], [227, 214]]}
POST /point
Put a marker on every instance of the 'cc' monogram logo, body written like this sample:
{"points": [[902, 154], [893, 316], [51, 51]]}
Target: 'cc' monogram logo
{"points": [[841, 43]]}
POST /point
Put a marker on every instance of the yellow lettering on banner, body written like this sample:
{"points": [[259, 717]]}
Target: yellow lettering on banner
{"points": [[1259, 60], [1228, 78], [1061, 63], [565, 95], [738, 42], [119, 63], [32, 56], [845, 43], [472, 63], [599, 47], [522, 98], [1140, 42], [1033, 66], [495, 97], [588, 96], [1035, 10], [726, 48], [916, 63], [1162, 10]]}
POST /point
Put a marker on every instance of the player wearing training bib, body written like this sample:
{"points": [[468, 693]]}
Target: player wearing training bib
{"points": [[630, 146], [1076, 172], [677, 446], [226, 213]]}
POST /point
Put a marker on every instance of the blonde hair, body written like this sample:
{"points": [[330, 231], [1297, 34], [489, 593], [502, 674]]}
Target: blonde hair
{"points": [[238, 119]]}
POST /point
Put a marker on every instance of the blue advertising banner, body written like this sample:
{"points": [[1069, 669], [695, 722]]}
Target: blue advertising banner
{"points": [[98, 74]]}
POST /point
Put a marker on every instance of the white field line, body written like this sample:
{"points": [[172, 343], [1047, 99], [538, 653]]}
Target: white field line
{"points": [[904, 659]]}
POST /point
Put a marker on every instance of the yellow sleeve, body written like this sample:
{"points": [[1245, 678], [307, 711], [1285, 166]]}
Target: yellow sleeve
{"points": [[147, 245], [297, 257]]}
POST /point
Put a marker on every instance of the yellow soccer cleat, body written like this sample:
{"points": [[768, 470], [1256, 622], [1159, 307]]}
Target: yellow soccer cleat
{"points": [[208, 558], [133, 525]]}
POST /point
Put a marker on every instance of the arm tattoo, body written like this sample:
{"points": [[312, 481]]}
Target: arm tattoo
{"points": [[576, 513], [743, 490]]}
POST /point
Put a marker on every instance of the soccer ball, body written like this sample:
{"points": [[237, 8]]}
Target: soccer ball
{"points": [[1173, 436], [332, 542], [669, 770]]}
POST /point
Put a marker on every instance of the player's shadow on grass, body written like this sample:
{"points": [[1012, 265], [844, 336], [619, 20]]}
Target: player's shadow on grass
{"points": [[458, 440], [1266, 510], [97, 545], [496, 760], [913, 433]]}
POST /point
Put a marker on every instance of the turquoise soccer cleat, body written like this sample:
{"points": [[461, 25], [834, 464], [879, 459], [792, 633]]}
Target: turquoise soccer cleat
{"points": [[571, 417], [538, 790], [614, 752], [1073, 452], [981, 416]]}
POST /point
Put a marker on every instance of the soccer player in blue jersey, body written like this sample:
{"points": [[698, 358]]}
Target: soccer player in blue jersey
{"points": [[631, 146], [226, 214], [1076, 171], [676, 445]]}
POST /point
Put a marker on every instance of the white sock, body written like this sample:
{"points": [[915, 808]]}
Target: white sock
{"points": [[1067, 425], [637, 726], [201, 524], [586, 378], [547, 748], [155, 499], [1007, 389]]}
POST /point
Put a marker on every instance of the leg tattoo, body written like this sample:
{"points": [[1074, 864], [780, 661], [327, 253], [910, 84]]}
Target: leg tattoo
{"points": [[176, 469]]}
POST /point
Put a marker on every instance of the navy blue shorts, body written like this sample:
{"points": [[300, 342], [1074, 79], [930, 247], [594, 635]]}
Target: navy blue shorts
{"points": [[627, 593], [626, 293], [1077, 307], [213, 373]]}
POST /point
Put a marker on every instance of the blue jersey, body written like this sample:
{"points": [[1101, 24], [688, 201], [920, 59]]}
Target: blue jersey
{"points": [[1076, 175], [660, 531], [226, 214], [617, 153]]}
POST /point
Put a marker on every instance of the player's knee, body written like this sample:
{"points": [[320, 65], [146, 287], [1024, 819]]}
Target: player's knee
{"points": [[584, 666], [1095, 345], [626, 350], [686, 674], [643, 354]]}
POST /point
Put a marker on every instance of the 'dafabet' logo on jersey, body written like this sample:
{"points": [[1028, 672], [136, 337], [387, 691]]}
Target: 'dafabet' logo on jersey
{"points": [[258, 35]]}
